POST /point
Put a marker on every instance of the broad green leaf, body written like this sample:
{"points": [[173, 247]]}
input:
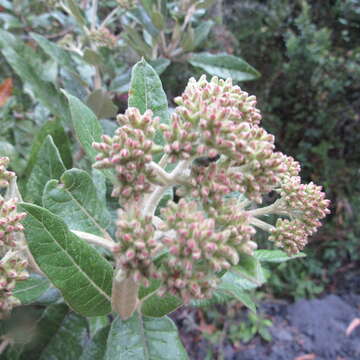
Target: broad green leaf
{"points": [[235, 287], [82, 275], [144, 338], [92, 57], [218, 297], [30, 290], [224, 66], [59, 335], [240, 282], [136, 42], [61, 140], [96, 323], [158, 306], [160, 65], [275, 256], [56, 52], [75, 200], [250, 268], [87, 126], [99, 181], [21, 58], [101, 104], [144, 19], [48, 165], [201, 32], [146, 92], [96, 349], [76, 12]]}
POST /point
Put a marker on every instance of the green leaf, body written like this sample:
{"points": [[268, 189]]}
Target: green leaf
{"points": [[144, 19], [158, 306], [82, 275], [30, 290], [143, 338], [96, 349], [62, 56], [275, 256], [236, 290], [136, 42], [224, 66], [92, 57], [201, 32], [96, 323], [160, 65], [87, 126], [101, 104], [75, 200], [146, 92], [61, 140], [59, 335], [48, 166], [250, 268], [76, 12], [21, 58]]}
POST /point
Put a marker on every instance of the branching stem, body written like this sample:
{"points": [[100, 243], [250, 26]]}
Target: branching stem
{"points": [[96, 240]]}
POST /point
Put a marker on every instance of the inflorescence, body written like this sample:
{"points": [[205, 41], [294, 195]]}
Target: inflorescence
{"points": [[12, 263], [214, 223]]}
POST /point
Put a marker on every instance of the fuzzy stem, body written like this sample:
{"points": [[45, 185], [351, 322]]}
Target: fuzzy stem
{"points": [[152, 201], [266, 210], [261, 224], [96, 240]]}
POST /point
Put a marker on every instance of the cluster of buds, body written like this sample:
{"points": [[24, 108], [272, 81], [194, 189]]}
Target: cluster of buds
{"points": [[12, 269], [226, 164], [197, 251], [103, 37], [230, 215], [9, 222], [306, 205], [137, 245], [129, 152], [208, 115], [12, 264], [5, 175]]}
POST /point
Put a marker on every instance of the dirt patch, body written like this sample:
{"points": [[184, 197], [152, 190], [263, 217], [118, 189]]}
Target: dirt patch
{"points": [[306, 330]]}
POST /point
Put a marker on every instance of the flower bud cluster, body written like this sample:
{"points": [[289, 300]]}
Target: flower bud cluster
{"points": [[211, 183], [290, 235], [305, 204], [136, 246], [12, 269], [228, 216], [12, 264], [9, 222], [128, 152], [5, 175], [103, 37], [197, 250], [208, 115]]}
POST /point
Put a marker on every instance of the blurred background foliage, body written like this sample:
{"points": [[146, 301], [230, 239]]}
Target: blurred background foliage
{"points": [[308, 55]]}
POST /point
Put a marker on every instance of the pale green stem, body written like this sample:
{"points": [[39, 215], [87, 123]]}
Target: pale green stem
{"points": [[94, 11], [95, 240], [152, 201], [261, 224], [271, 209]]}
